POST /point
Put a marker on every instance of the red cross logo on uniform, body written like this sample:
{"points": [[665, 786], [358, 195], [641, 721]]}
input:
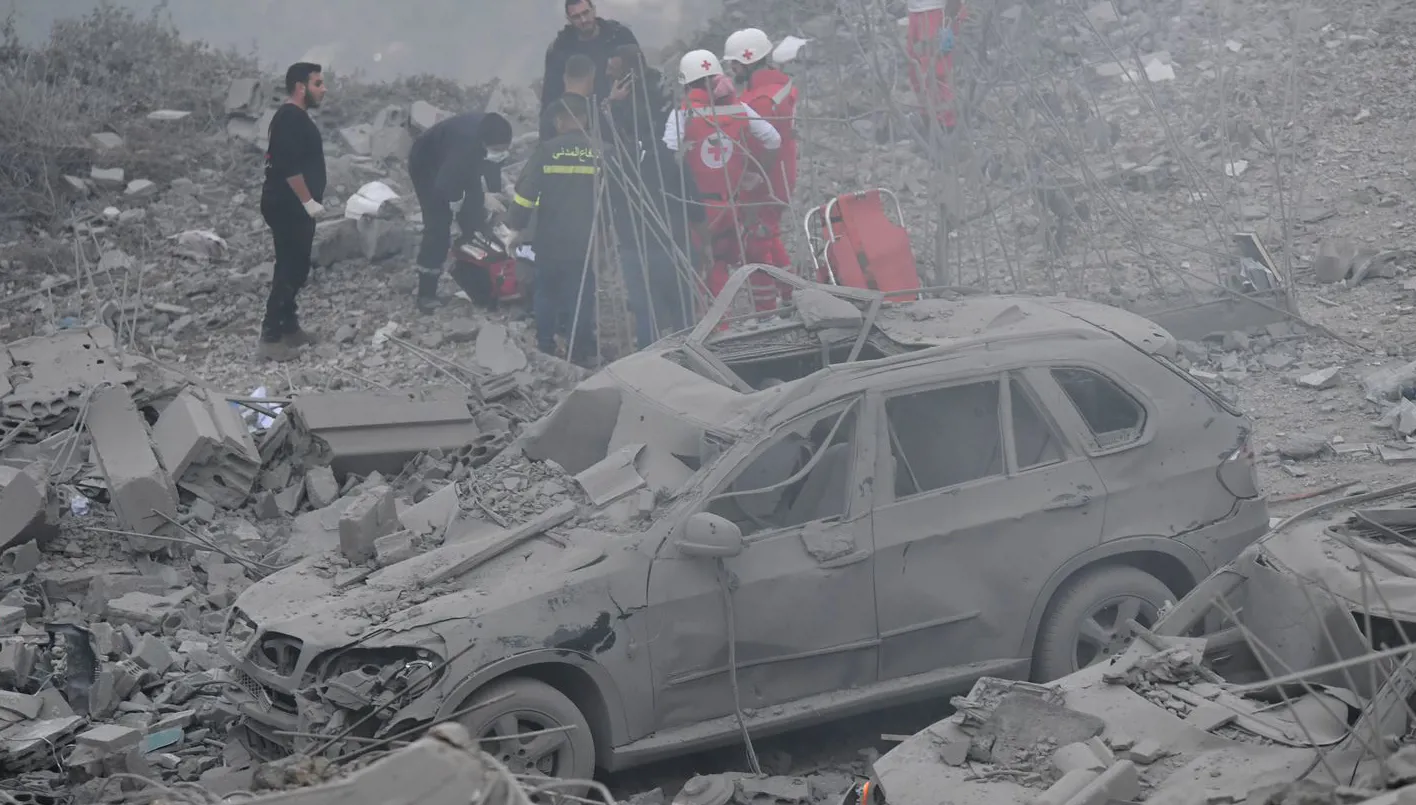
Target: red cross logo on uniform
{"points": [[716, 151], [707, 65], [747, 54]]}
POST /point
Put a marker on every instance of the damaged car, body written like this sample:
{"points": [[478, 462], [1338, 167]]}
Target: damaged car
{"points": [[779, 522], [1290, 666]]}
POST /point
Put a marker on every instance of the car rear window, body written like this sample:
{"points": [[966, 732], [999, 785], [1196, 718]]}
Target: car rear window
{"points": [[1114, 417]]}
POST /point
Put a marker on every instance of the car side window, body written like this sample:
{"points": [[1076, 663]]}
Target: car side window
{"points": [[945, 437], [819, 494], [1034, 441], [1113, 416]]}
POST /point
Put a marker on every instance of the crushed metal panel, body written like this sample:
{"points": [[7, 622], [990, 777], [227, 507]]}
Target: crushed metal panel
{"points": [[361, 432]]}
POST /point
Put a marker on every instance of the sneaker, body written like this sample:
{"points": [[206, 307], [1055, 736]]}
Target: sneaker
{"points": [[300, 338], [276, 351]]}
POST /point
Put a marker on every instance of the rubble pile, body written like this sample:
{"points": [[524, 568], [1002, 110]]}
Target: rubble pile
{"points": [[136, 505]]}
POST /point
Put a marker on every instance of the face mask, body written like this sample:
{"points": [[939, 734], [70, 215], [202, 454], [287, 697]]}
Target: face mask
{"points": [[496, 156]]}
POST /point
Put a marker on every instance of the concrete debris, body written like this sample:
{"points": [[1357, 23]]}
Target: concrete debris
{"points": [[28, 510], [363, 432], [141, 491], [206, 448]]}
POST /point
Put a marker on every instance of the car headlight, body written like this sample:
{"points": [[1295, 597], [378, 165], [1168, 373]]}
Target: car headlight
{"points": [[367, 677], [239, 632]]}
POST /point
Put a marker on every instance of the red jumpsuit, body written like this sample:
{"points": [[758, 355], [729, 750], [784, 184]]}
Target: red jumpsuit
{"points": [[930, 70], [715, 150], [772, 95]]}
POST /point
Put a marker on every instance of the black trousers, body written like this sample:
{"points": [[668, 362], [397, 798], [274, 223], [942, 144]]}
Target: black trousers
{"points": [[293, 231], [437, 223]]}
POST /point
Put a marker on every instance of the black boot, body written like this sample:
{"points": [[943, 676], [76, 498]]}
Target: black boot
{"points": [[427, 300]]}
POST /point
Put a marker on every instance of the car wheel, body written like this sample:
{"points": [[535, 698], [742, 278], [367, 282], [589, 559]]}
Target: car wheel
{"points": [[1086, 621], [532, 728]]}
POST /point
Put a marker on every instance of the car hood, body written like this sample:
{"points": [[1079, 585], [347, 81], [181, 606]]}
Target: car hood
{"points": [[327, 607]]}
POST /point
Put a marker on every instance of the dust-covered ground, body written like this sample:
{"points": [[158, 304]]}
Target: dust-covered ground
{"points": [[1070, 174]]}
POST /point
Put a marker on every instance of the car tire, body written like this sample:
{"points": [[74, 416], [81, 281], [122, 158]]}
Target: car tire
{"points": [[520, 705], [1116, 590]]}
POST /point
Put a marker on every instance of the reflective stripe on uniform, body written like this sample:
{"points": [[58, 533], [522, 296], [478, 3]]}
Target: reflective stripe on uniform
{"points": [[717, 111], [781, 94], [588, 170], [522, 201]]}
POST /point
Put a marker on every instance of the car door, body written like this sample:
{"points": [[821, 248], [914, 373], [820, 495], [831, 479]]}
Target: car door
{"points": [[802, 589], [980, 498]]}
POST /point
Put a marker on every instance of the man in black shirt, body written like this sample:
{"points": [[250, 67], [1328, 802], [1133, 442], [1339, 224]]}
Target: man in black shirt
{"points": [[586, 33], [448, 165], [655, 205], [558, 184], [290, 203]]}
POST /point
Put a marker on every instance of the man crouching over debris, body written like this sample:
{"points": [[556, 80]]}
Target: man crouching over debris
{"points": [[448, 165], [290, 203], [558, 184]]}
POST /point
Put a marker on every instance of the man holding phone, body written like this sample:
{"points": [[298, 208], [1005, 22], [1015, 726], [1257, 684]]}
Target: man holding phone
{"points": [[638, 104]]}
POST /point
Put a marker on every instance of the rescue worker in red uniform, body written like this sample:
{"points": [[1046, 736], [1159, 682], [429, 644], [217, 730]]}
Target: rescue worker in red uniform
{"points": [[929, 42], [772, 94], [714, 139]]}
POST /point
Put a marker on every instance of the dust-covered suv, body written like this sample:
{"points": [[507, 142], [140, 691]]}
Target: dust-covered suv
{"points": [[857, 505]]}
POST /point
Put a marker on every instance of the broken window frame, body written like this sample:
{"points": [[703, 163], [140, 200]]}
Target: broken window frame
{"points": [[1095, 447], [721, 482], [1045, 419], [1005, 426]]}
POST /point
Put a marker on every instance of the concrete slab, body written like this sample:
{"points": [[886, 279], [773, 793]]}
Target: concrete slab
{"points": [[140, 490], [364, 432]]}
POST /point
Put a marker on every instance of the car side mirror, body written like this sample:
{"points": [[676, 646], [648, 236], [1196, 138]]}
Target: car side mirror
{"points": [[708, 536]]}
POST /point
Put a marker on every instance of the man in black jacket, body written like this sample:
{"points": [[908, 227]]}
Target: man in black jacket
{"points": [[448, 165], [587, 33], [290, 203]]}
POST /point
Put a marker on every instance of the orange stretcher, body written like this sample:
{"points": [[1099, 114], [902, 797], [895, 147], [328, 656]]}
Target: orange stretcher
{"points": [[855, 244]]}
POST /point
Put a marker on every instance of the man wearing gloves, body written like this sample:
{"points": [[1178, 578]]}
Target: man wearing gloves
{"points": [[448, 165], [290, 203]]}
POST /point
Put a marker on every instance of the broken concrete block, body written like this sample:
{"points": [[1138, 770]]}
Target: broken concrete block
{"points": [[110, 738], [1075, 757], [21, 559], [321, 487], [358, 138], [246, 97], [336, 240], [423, 116], [1210, 716], [1334, 260], [1120, 782], [15, 706], [140, 189], [390, 143], [11, 619], [107, 178], [27, 510], [391, 117], [207, 448], [1145, 752], [1321, 379], [432, 514], [168, 115], [394, 548], [106, 141], [141, 492], [148, 612], [497, 352], [369, 516], [1066, 787], [153, 654], [820, 310], [380, 238]]}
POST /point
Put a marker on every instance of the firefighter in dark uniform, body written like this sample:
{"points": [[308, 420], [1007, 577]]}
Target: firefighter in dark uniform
{"points": [[558, 184]]}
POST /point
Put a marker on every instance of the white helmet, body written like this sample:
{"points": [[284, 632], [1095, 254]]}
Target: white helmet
{"points": [[697, 64], [748, 46]]}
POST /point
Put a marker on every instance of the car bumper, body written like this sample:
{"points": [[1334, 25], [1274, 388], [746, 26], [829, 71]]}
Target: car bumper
{"points": [[1220, 543]]}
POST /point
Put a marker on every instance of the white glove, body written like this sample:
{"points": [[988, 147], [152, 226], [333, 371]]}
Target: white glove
{"points": [[313, 208], [494, 204], [513, 241]]}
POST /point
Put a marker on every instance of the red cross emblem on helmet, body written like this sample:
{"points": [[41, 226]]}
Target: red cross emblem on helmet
{"points": [[707, 65], [747, 54]]}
